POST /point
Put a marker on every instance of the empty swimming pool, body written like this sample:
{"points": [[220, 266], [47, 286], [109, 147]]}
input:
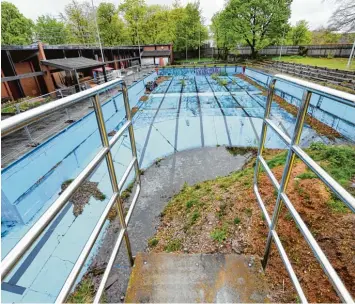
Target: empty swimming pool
{"points": [[188, 109]]}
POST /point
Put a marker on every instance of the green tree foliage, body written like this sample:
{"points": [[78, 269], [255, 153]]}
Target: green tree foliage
{"points": [[111, 26], [80, 20], [15, 27], [190, 31], [325, 36], [258, 22], [48, 29], [223, 35], [300, 34], [133, 13]]}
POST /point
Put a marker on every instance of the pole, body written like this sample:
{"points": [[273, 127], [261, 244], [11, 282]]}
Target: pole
{"points": [[283, 37], [186, 47], [139, 46], [98, 33], [199, 42], [351, 55]]}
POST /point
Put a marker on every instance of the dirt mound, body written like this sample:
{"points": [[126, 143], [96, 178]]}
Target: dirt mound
{"points": [[223, 216]]}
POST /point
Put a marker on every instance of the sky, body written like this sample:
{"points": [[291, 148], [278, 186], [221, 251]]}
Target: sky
{"points": [[316, 12]]}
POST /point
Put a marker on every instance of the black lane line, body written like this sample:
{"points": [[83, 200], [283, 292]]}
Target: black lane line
{"points": [[223, 114], [247, 114], [11, 286], [171, 177], [199, 108], [151, 125]]}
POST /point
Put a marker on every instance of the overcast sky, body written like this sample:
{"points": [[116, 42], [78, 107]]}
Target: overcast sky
{"points": [[316, 12]]}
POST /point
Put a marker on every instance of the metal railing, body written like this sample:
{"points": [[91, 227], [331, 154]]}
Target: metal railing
{"points": [[295, 150], [19, 121]]}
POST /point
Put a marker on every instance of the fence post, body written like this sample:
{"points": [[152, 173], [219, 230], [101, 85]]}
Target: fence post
{"points": [[287, 170], [112, 172]]}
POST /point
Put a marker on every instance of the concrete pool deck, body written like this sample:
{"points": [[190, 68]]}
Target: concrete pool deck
{"points": [[175, 118]]}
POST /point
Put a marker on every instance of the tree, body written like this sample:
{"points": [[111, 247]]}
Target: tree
{"points": [[324, 36], [80, 20], [190, 31], [15, 27], [258, 22], [133, 12], [300, 34], [343, 17], [112, 28], [223, 35], [49, 29]]}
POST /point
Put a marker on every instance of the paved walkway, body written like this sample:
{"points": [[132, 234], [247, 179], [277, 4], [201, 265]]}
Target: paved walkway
{"points": [[159, 183]]}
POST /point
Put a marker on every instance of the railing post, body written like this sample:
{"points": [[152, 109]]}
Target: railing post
{"points": [[264, 128], [287, 170], [112, 173], [130, 129]]}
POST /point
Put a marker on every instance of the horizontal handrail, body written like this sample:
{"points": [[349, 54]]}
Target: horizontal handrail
{"points": [[340, 96], [19, 121], [34, 232], [295, 150], [85, 252]]}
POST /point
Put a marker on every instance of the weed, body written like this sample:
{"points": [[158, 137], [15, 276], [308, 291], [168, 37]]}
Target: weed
{"points": [[152, 242], [307, 175], [242, 150], [127, 192], [337, 206], [101, 196], [84, 293], [67, 182], [236, 220], [183, 82], [198, 186], [173, 245], [219, 235], [288, 216], [191, 203], [248, 211], [278, 160], [157, 162]]}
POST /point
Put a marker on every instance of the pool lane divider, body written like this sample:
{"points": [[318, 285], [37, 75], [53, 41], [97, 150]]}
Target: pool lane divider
{"points": [[199, 109], [223, 114], [151, 125]]}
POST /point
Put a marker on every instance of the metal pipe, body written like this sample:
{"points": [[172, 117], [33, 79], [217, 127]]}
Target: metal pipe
{"points": [[130, 130], [289, 267], [68, 285], [109, 266], [324, 262], [30, 237], [340, 96], [17, 122], [111, 170], [264, 128], [287, 170], [351, 56]]}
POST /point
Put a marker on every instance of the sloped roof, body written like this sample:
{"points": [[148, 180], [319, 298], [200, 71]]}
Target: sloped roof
{"points": [[76, 63]]}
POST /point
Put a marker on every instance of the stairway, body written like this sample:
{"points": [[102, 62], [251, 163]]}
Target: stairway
{"points": [[196, 278]]}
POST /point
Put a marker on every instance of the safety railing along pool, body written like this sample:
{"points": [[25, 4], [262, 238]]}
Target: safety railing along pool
{"points": [[295, 150], [17, 122]]}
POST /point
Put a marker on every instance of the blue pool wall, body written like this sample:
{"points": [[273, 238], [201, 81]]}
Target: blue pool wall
{"points": [[340, 117], [53, 162]]}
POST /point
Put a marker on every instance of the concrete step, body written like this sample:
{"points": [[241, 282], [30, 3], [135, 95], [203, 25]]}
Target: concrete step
{"points": [[196, 278]]}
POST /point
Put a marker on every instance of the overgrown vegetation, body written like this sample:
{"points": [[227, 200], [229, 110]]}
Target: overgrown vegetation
{"points": [[84, 293], [222, 216]]}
